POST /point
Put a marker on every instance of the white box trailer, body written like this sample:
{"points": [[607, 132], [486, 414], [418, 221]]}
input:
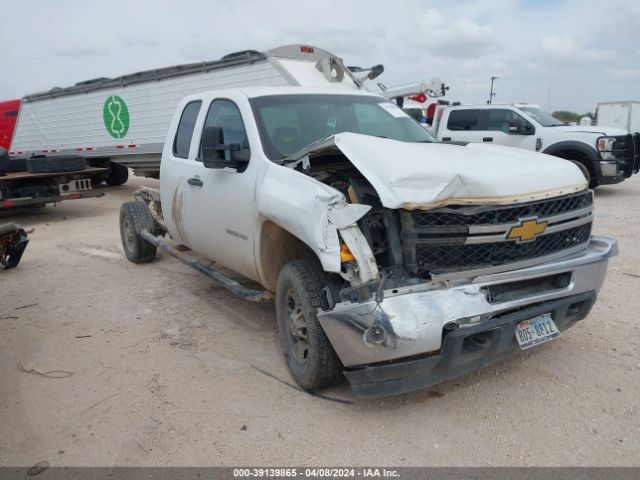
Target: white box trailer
{"points": [[122, 122], [619, 114]]}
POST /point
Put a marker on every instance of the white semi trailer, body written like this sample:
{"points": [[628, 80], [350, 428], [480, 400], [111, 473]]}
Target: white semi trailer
{"points": [[122, 122], [619, 114]]}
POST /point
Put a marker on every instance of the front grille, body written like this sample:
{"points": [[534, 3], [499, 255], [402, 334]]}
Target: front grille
{"points": [[463, 216], [434, 258], [450, 238]]}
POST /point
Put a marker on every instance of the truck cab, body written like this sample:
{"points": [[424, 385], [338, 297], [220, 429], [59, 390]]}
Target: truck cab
{"points": [[606, 155]]}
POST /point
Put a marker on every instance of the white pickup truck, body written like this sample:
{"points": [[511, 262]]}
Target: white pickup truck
{"points": [[606, 155], [393, 260]]}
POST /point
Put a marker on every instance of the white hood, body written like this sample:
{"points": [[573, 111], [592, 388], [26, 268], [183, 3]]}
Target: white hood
{"points": [[429, 175], [608, 131]]}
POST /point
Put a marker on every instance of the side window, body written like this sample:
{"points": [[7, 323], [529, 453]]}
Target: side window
{"points": [[182, 140], [500, 120], [464, 120], [224, 117]]}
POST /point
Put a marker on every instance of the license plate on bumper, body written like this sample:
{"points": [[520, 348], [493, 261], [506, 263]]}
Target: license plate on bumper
{"points": [[535, 331]]}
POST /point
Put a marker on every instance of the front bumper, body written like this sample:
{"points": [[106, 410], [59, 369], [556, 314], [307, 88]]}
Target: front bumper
{"points": [[621, 162], [609, 172], [464, 350], [411, 322]]}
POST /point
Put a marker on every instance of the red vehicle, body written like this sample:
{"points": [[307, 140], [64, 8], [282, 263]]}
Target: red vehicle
{"points": [[8, 118]]}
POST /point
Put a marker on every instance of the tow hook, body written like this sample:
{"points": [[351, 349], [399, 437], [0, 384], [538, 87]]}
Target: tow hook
{"points": [[480, 340], [375, 335]]}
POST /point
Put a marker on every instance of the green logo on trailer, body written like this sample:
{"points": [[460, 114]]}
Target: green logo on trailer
{"points": [[116, 116]]}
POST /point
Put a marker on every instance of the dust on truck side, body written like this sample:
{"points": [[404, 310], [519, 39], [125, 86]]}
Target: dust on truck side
{"points": [[395, 261], [119, 123]]}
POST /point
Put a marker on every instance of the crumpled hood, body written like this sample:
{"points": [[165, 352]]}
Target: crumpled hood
{"points": [[429, 175], [608, 131]]}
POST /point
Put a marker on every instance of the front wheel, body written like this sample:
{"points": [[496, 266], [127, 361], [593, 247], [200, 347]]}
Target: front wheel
{"points": [[587, 174], [310, 357]]}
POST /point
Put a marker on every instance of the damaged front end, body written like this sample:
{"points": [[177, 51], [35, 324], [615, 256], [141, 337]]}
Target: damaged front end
{"points": [[441, 275], [13, 242]]}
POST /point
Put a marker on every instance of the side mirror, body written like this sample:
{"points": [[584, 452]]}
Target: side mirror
{"points": [[517, 127], [214, 154]]}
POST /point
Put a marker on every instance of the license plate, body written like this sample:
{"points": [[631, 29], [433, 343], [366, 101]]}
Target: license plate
{"points": [[535, 331]]}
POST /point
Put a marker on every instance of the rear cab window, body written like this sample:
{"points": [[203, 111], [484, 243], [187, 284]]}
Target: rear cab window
{"points": [[465, 120], [184, 133]]}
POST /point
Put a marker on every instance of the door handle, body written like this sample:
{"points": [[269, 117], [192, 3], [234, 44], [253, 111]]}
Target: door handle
{"points": [[446, 139], [487, 139], [195, 181]]}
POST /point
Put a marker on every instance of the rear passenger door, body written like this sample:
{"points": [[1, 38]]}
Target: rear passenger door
{"points": [[463, 125]]}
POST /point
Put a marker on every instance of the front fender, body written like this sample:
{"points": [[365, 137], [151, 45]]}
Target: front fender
{"points": [[311, 211], [585, 148]]}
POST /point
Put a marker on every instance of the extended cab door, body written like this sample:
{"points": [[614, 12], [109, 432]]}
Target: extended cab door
{"points": [[213, 210], [461, 125]]}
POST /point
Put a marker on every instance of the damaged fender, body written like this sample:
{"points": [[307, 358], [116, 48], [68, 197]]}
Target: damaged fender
{"points": [[315, 213]]}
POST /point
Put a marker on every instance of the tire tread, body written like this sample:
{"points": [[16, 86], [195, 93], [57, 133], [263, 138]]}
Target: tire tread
{"points": [[141, 219], [313, 279]]}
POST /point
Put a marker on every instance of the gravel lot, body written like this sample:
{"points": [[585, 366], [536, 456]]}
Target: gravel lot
{"points": [[169, 369]]}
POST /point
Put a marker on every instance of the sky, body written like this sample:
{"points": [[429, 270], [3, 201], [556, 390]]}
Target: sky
{"points": [[562, 55]]}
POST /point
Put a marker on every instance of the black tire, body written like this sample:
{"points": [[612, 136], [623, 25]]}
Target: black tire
{"points": [[135, 217], [71, 163], [118, 175], [311, 359], [4, 159], [585, 171], [17, 164]]}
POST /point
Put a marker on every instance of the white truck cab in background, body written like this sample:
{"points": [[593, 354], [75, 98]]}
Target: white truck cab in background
{"points": [[606, 155]]}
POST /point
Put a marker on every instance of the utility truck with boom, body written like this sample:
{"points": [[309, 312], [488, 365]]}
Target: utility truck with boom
{"points": [[393, 260]]}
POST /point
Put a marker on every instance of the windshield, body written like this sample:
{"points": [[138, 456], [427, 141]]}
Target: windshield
{"points": [[543, 118], [288, 123]]}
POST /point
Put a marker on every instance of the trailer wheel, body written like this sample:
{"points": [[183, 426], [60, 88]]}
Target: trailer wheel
{"points": [[134, 218], [118, 175], [310, 357], [70, 163]]}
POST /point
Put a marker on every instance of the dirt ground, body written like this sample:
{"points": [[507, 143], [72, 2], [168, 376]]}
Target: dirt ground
{"points": [[169, 369]]}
